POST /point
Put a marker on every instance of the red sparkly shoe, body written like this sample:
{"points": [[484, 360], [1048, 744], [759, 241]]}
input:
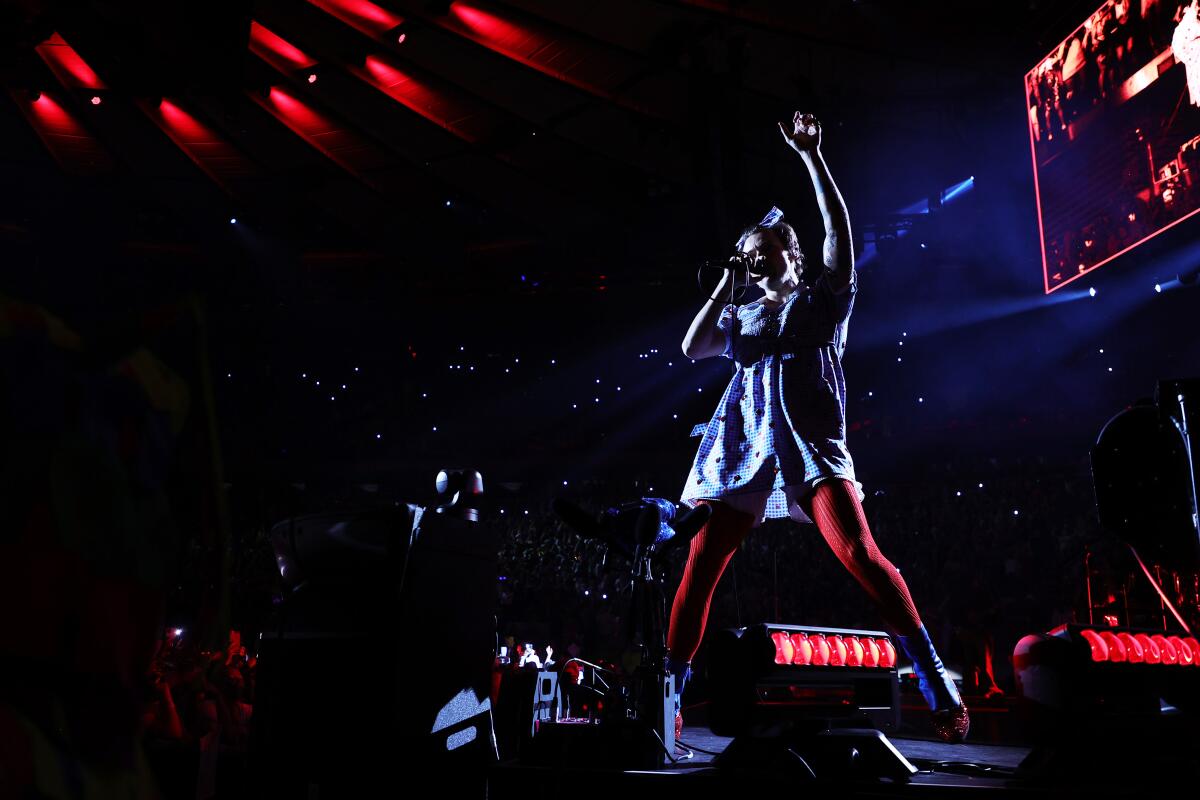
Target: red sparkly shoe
{"points": [[951, 724], [683, 671], [682, 751], [950, 718]]}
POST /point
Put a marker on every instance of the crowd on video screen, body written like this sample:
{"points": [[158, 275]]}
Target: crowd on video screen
{"points": [[1114, 119]]}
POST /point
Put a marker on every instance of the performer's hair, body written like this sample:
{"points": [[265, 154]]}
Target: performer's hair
{"points": [[785, 232]]}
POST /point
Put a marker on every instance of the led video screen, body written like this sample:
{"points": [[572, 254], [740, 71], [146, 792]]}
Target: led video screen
{"points": [[1114, 126]]}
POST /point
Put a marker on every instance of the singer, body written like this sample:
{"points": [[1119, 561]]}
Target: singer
{"points": [[776, 445]]}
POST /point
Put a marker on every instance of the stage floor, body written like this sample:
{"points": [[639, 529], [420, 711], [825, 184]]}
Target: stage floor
{"points": [[1001, 758], [945, 771], [988, 761]]}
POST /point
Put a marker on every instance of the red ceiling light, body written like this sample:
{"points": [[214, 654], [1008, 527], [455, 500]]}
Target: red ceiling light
{"points": [[435, 102], [204, 146], [312, 77], [335, 140], [1194, 646], [278, 52], [563, 56], [400, 39], [402, 85], [67, 65], [54, 114], [483, 22], [96, 100], [293, 109], [75, 150], [181, 121], [363, 16]]}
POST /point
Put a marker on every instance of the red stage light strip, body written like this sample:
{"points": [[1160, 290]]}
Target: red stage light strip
{"points": [[280, 54], [1142, 648], [75, 150], [213, 154], [361, 15], [564, 57], [340, 145], [834, 650], [67, 65]]}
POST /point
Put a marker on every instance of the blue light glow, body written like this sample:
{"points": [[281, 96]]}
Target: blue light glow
{"points": [[957, 190]]}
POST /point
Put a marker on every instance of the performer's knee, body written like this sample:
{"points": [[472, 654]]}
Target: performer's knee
{"points": [[724, 530], [722, 511]]}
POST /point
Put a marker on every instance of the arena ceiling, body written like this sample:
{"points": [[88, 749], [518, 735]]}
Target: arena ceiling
{"points": [[498, 130]]}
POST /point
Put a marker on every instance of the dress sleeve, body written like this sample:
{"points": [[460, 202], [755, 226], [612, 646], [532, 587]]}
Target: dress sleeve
{"points": [[725, 326], [840, 303]]}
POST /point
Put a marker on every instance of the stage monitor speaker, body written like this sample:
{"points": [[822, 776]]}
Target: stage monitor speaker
{"points": [[770, 673], [381, 668]]}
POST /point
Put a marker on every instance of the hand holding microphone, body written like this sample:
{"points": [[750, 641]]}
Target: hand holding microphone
{"points": [[740, 270], [753, 264]]}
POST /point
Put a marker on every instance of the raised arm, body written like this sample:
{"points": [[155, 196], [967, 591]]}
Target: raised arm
{"points": [[804, 136]]}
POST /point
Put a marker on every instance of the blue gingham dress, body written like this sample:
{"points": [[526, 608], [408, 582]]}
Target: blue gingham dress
{"points": [[781, 423]]}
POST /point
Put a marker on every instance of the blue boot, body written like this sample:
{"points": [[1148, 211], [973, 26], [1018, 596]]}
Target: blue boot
{"points": [[950, 719], [682, 670]]}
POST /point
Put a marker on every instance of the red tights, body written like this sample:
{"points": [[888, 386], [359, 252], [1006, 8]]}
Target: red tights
{"points": [[843, 524]]}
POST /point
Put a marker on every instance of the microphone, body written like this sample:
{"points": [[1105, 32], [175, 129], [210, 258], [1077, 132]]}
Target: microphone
{"points": [[686, 527], [636, 524], [645, 530], [752, 264], [691, 522]]}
